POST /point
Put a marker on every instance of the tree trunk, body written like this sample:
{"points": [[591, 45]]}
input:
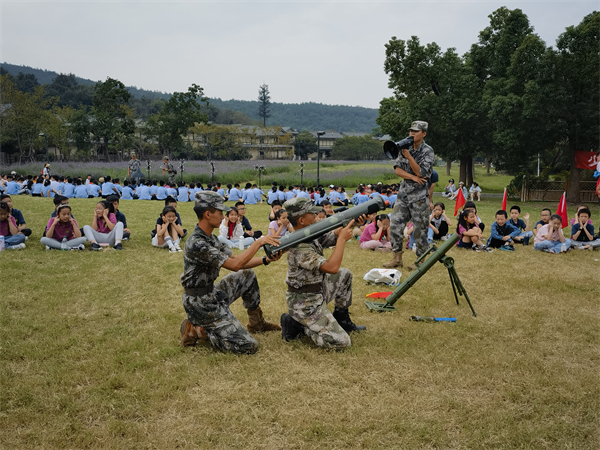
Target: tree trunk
{"points": [[573, 188], [487, 163], [448, 166], [464, 168], [471, 172]]}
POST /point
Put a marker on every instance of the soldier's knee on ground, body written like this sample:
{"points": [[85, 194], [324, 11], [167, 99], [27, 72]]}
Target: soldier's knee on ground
{"points": [[232, 337]]}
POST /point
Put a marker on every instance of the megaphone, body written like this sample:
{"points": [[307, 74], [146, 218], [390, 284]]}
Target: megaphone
{"points": [[392, 149]]}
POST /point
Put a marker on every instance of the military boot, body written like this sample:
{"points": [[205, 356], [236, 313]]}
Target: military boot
{"points": [[395, 262], [414, 266], [343, 318], [290, 328], [258, 324], [190, 334]]}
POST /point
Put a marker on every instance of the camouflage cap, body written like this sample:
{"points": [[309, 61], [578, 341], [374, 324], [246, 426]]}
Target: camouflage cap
{"points": [[297, 207], [419, 125], [210, 199]]}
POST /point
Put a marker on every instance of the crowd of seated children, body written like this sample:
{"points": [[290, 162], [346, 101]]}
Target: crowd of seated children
{"points": [[62, 229], [376, 235], [104, 229], [281, 225], [17, 215], [469, 232], [231, 232], [168, 232], [582, 231], [550, 237], [523, 225], [439, 222], [503, 232], [13, 239]]}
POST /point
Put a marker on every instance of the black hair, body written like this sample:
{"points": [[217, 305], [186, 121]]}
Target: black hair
{"points": [[63, 206], [4, 206], [556, 216], [501, 212], [239, 203], [547, 209], [275, 203], [228, 185], [107, 178], [168, 209], [462, 220], [325, 203], [59, 199], [515, 207], [125, 182], [3, 196], [274, 189], [470, 205], [162, 182], [112, 198], [585, 210], [380, 217], [441, 205], [170, 199], [107, 205], [279, 213], [248, 186], [234, 209]]}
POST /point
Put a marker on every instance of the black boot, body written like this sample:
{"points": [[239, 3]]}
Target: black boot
{"points": [[290, 329], [343, 318]]}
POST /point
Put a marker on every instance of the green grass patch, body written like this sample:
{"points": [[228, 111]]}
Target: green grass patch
{"points": [[90, 355]]}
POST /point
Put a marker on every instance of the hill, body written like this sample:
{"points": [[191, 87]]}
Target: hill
{"points": [[301, 116]]}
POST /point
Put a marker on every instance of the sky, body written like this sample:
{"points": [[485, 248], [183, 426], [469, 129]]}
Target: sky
{"points": [[329, 52]]}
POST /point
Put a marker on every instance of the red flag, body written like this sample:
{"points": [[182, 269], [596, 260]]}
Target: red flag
{"points": [[562, 210], [460, 201], [504, 201]]}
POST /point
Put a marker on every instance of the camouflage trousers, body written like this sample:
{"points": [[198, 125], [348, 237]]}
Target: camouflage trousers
{"points": [[311, 310], [213, 314], [404, 211], [172, 179]]}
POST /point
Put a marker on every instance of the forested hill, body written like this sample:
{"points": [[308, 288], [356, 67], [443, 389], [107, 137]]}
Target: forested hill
{"points": [[307, 116], [302, 116]]}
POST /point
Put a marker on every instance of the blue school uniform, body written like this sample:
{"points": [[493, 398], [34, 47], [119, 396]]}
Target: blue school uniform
{"points": [[94, 190], [221, 192], [271, 196], [258, 194], [12, 188], [303, 194], [81, 191], [161, 193], [127, 193], [143, 193], [37, 188], [45, 190], [184, 194], [119, 188], [69, 190], [171, 192], [153, 189], [107, 189], [249, 197], [234, 195], [289, 195]]}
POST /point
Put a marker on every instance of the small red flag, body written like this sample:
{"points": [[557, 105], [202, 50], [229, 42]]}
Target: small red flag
{"points": [[379, 294], [504, 200], [460, 201], [562, 210]]}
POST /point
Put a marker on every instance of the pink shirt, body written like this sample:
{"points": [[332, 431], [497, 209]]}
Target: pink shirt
{"points": [[102, 227], [4, 228], [61, 230], [275, 226], [541, 235], [367, 232]]}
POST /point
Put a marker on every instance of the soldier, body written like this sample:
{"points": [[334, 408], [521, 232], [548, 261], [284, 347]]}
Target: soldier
{"points": [[313, 281], [168, 167], [414, 165], [133, 170], [207, 303]]}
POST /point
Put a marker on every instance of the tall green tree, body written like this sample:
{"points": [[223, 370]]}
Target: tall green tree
{"points": [[264, 103], [357, 148], [176, 116], [305, 144], [112, 123]]}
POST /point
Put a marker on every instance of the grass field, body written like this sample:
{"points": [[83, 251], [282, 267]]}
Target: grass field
{"points": [[90, 354]]}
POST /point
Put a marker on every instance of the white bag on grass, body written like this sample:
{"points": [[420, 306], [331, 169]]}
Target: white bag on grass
{"points": [[390, 277]]}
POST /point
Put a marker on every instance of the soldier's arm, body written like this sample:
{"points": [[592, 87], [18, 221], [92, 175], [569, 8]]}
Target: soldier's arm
{"points": [[246, 260], [334, 262], [409, 176]]}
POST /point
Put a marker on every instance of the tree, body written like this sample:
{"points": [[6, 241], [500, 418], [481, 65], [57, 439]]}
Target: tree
{"points": [[305, 144], [357, 148], [180, 113], [264, 107], [112, 122], [220, 142], [70, 92]]}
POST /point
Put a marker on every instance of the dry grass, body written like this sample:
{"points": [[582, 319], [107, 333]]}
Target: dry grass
{"points": [[90, 355]]}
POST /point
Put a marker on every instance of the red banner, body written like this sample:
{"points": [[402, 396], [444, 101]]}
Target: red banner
{"points": [[585, 160]]}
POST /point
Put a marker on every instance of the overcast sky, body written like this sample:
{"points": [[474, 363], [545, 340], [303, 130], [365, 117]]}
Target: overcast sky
{"points": [[325, 52]]}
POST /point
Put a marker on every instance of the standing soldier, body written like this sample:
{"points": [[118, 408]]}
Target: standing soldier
{"points": [[414, 165], [313, 281], [168, 167], [207, 303], [133, 170]]}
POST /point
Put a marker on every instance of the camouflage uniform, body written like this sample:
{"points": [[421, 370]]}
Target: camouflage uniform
{"points": [[202, 260], [310, 309], [134, 170], [171, 171], [413, 200]]}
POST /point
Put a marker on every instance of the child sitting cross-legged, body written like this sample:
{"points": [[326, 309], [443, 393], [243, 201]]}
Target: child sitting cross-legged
{"points": [[13, 238], [523, 225], [503, 232], [376, 235], [439, 222], [63, 227], [104, 229], [470, 234], [168, 231], [550, 237], [582, 232], [231, 232]]}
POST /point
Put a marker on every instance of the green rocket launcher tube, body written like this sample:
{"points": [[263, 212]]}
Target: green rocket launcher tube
{"points": [[318, 229]]}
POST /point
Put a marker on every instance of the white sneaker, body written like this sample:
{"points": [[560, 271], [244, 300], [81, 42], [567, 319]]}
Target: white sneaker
{"points": [[173, 250], [178, 247], [47, 247], [16, 247]]}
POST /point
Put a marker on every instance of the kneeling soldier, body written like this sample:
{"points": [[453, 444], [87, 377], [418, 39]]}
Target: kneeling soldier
{"points": [[206, 303], [313, 281]]}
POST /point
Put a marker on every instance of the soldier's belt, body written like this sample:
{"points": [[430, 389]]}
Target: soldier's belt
{"points": [[199, 291], [306, 289]]}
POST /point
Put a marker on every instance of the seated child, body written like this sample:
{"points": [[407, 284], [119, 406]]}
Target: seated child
{"points": [[358, 230], [17, 214], [544, 220], [281, 225], [127, 193], [575, 219], [582, 233], [472, 207], [120, 216], [475, 192], [104, 229], [470, 234], [526, 233], [321, 215], [550, 237], [275, 206], [13, 239], [170, 201], [326, 204], [230, 231], [248, 231], [503, 232], [439, 222], [167, 231], [183, 194], [62, 226], [376, 235]]}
